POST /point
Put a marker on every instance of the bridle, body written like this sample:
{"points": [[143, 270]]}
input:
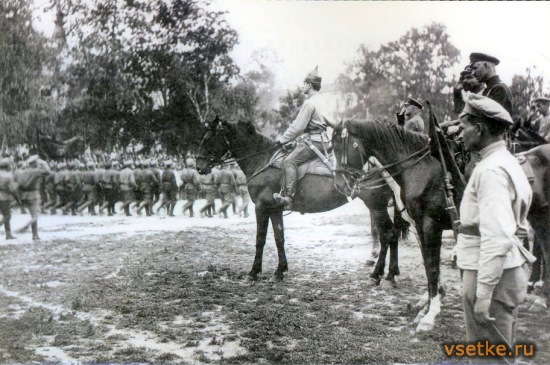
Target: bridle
{"points": [[359, 177], [225, 158]]}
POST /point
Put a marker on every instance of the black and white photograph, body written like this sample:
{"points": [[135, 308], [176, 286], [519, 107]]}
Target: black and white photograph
{"points": [[274, 182]]}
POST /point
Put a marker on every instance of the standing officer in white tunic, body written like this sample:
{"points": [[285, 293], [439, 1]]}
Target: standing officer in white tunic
{"points": [[493, 217]]}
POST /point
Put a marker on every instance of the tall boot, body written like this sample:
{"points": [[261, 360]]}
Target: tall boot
{"points": [[185, 207], [171, 209], [287, 199], [127, 210], [7, 228], [34, 228]]}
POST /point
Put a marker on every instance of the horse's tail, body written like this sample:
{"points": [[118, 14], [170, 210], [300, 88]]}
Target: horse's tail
{"points": [[400, 223]]}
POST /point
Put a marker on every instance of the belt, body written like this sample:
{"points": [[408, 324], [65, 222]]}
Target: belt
{"points": [[474, 231]]}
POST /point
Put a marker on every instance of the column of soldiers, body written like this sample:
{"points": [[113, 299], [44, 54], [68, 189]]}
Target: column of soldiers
{"points": [[74, 187]]}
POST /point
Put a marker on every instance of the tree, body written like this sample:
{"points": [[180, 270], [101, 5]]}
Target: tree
{"points": [[524, 89], [417, 65], [23, 55], [146, 70]]}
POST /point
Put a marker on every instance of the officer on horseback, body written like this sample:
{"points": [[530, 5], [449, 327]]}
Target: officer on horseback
{"points": [[311, 123]]}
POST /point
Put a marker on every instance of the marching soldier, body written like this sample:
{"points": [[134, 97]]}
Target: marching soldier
{"points": [[169, 188], [208, 187], [158, 176], [138, 173], [50, 188], [60, 178], [8, 192], [149, 183], [191, 185], [109, 181], [242, 190], [99, 171], [29, 186], [73, 188], [227, 187], [90, 186], [128, 186]]}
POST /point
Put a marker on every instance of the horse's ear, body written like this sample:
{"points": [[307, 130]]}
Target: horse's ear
{"points": [[212, 125], [223, 124], [250, 128]]}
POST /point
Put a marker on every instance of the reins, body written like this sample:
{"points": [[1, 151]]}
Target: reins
{"points": [[359, 176], [224, 161]]}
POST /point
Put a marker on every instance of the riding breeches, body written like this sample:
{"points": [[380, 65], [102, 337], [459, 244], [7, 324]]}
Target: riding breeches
{"points": [[302, 153]]}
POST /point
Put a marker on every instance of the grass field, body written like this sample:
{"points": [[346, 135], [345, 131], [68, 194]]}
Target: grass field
{"points": [[151, 290]]}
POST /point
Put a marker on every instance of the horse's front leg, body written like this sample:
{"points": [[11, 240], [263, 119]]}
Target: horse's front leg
{"points": [[262, 222], [541, 250], [430, 238], [279, 233]]}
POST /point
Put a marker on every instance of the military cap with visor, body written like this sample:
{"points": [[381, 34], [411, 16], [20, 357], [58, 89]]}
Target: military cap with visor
{"points": [[414, 102], [485, 108], [477, 57]]}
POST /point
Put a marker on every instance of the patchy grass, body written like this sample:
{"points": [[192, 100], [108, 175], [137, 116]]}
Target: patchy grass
{"points": [[180, 297]]}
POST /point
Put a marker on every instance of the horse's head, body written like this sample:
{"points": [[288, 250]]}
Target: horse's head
{"points": [[214, 145], [350, 156]]}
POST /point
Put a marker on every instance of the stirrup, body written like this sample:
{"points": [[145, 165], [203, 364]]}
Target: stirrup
{"points": [[286, 201]]}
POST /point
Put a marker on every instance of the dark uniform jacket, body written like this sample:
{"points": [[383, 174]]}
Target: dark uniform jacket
{"points": [[499, 92], [8, 187], [89, 180], [226, 182], [191, 179], [29, 181], [169, 180], [148, 180]]}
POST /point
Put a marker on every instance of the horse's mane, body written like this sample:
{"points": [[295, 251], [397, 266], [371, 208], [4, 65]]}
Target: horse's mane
{"points": [[392, 137], [248, 129]]}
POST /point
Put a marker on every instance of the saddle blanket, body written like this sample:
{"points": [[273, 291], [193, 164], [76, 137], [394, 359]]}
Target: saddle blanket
{"points": [[313, 167]]}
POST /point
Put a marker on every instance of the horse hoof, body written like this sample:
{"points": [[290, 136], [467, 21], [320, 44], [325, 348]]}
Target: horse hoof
{"points": [[250, 279], [420, 316], [373, 281], [538, 306], [276, 278], [424, 326], [392, 281], [370, 262]]}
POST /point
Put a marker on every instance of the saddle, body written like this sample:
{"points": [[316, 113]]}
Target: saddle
{"points": [[312, 167]]}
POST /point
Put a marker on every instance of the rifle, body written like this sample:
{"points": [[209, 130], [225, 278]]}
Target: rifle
{"points": [[449, 201]]}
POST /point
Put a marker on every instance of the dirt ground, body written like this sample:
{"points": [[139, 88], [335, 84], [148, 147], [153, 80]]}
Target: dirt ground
{"points": [[171, 290]]}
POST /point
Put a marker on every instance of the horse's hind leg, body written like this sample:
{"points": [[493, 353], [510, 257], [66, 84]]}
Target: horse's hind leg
{"points": [[279, 233], [375, 250], [384, 226], [262, 222]]}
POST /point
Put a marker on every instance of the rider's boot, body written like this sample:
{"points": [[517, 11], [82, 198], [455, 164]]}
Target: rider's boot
{"points": [[287, 200]]}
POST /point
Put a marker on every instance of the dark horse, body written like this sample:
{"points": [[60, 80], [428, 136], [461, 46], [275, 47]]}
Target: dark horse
{"points": [[539, 213], [315, 193], [409, 161]]}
